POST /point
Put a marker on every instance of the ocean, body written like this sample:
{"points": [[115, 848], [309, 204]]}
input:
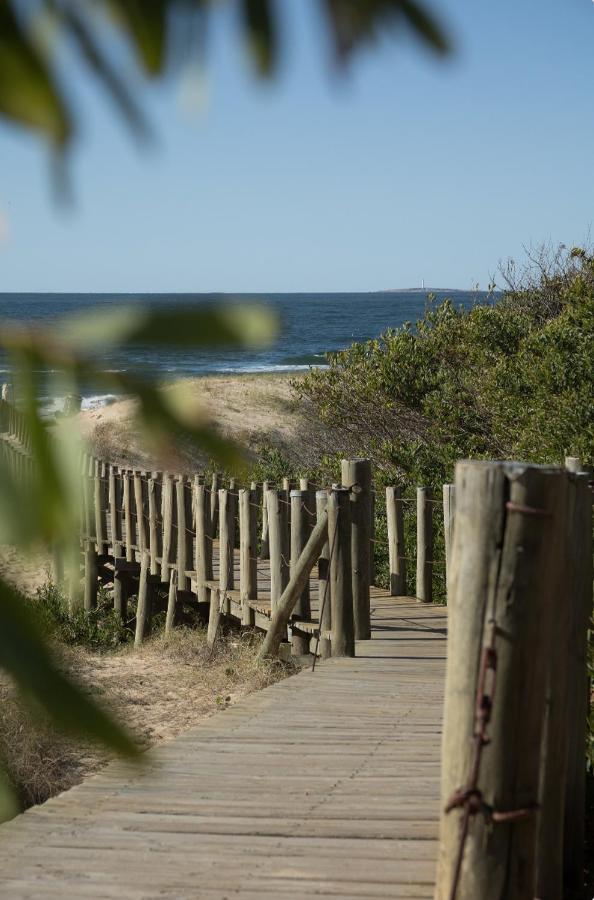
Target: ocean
{"points": [[311, 325]]}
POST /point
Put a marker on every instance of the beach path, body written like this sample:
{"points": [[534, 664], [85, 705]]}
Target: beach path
{"points": [[325, 784]]}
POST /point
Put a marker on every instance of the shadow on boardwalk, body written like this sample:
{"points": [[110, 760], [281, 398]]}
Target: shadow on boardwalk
{"points": [[323, 785]]}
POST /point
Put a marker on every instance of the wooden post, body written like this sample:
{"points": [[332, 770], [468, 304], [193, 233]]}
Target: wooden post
{"points": [[324, 601], [154, 490], [220, 605], [227, 508], [90, 597], [356, 474], [300, 531], [507, 566], [449, 515], [396, 551], [264, 544], [579, 595], [203, 541], [128, 520], [170, 618], [573, 464], [341, 581], [169, 518], [145, 600], [299, 577], [214, 503], [120, 583], [248, 536], [424, 545], [278, 544], [100, 503], [185, 550]]}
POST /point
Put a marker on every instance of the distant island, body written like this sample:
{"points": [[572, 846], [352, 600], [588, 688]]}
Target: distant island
{"points": [[429, 290]]}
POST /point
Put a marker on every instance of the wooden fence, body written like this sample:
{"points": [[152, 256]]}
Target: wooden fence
{"points": [[232, 550]]}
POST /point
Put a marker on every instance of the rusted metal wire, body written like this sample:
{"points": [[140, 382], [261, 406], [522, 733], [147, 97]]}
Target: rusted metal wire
{"points": [[470, 797]]}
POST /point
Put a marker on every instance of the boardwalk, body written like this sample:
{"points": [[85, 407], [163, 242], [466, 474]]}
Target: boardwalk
{"points": [[323, 785]]}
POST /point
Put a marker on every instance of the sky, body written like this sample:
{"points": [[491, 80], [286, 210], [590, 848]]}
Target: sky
{"points": [[403, 169]]}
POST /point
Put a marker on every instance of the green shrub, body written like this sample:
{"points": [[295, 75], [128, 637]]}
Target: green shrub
{"points": [[100, 629]]}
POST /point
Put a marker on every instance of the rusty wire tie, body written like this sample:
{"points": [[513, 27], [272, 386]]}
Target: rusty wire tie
{"points": [[470, 798]]}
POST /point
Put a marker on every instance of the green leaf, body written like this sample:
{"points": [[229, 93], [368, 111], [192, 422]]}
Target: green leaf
{"points": [[102, 68], [425, 26], [238, 325], [261, 34], [28, 91], [146, 23], [24, 655]]}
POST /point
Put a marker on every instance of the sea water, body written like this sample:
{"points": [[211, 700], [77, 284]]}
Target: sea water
{"points": [[310, 326]]}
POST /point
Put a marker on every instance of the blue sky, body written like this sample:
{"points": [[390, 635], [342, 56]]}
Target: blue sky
{"points": [[407, 168]]}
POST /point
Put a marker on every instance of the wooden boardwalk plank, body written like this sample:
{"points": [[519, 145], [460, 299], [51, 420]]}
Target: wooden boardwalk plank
{"points": [[322, 785]]}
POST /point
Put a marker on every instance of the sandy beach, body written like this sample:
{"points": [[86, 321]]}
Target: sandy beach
{"points": [[253, 410]]}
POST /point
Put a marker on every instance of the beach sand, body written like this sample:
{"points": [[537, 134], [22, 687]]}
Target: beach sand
{"points": [[253, 410]]}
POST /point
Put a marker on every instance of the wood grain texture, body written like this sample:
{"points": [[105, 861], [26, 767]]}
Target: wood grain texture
{"points": [[324, 784]]}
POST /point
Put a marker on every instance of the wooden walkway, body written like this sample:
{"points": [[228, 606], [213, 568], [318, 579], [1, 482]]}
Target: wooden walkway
{"points": [[323, 785]]}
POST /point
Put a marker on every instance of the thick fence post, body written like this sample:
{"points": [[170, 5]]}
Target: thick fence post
{"points": [[424, 590], [220, 604], [120, 582], [168, 518], [356, 475], [264, 542], [449, 515], [203, 541], [300, 531], [395, 523], [214, 503], [185, 548], [278, 542], [154, 487], [324, 601], [507, 570], [128, 518], [90, 595], [144, 608], [341, 581], [248, 535], [578, 687]]}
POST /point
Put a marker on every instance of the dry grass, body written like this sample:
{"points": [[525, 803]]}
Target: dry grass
{"points": [[170, 684]]}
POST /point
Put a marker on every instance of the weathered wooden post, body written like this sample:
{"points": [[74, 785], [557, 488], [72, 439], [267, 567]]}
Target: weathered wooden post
{"points": [[507, 566], [396, 552], [341, 581], [120, 581], [264, 543], [128, 519], [168, 508], [248, 536], [144, 608], [579, 594], [214, 502], [100, 503], [424, 588], [356, 474], [140, 511], [154, 499], [278, 544], [226, 504], [170, 618], [203, 541], [300, 531], [185, 548], [449, 515], [90, 595], [324, 601]]}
